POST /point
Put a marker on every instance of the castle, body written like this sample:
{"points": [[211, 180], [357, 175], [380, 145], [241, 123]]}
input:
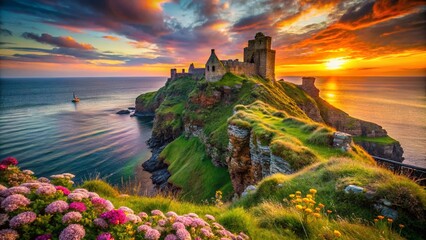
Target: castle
{"points": [[259, 59]]}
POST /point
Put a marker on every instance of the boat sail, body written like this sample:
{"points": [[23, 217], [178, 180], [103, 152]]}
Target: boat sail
{"points": [[75, 98]]}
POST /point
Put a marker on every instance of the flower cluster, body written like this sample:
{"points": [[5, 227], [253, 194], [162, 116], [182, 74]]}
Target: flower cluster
{"points": [[43, 210]]}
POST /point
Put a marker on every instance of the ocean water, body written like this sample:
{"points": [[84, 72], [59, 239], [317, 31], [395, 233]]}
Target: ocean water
{"points": [[47, 133], [398, 104]]}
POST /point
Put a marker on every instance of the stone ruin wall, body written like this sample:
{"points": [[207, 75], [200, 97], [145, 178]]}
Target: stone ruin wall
{"points": [[239, 68]]}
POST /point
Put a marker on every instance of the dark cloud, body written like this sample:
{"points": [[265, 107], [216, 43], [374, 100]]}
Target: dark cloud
{"points": [[5, 32], [65, 42]]}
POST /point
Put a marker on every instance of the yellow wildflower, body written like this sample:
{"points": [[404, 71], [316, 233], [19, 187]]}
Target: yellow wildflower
{"points": [[309, 196], [306, 200], [298, 192], [329, 211], [337, 233], [317, 215], [390, 220], [292, 195], [299, 207], [312, 190], [308, 210], [376, 220], [299, 200], [380, 217], [317, 209], [321, 205]]}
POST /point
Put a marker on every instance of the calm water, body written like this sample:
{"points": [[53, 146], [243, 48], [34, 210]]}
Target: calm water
{"points": [[396, 103], [49, 134]]}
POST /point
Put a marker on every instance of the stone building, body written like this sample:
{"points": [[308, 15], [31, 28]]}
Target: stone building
{"points": [[259, 59], [196, 73]]}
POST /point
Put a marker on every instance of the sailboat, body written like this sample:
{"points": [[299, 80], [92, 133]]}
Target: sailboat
{"points": [[75, 98]]}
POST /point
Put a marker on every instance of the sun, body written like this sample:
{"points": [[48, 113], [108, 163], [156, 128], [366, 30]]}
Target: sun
{"points": [[334, 63]]}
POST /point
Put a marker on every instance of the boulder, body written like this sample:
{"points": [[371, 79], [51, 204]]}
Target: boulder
{"points": [[123, 112], [354, 189], [250, 189]]}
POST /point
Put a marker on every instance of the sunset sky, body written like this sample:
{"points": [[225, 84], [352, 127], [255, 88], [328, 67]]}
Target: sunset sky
{"points": [[55, 38]]}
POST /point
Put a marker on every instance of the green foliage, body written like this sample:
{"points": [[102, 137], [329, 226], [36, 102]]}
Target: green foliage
{"points": [[100, 187], [237, 220], [380, 140], [188, 161]]}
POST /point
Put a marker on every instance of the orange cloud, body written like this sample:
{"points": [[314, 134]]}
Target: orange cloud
{"points": [[112, 38]]}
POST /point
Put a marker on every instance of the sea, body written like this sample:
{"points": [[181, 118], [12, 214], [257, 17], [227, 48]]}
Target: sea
{"points": [[47, 133]]}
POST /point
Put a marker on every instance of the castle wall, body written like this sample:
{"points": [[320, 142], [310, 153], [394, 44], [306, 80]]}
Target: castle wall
{"points": [[239, 68]]}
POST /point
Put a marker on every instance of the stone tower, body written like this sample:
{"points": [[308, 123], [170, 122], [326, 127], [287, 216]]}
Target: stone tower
{"points": [[214, 70], [260, 53]]}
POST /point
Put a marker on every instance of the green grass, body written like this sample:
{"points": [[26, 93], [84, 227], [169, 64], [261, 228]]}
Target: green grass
{"points": [[299, 141], [146, 97], [381, 140], [332, 177], [268, 219], [193, 171]]}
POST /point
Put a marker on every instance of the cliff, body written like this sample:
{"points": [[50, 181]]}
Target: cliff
{"points": [[253, 128]]}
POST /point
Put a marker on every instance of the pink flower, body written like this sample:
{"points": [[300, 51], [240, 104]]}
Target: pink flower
{"points": [[98, 202], [143, 228], [93, 195], [15, 190], [44, 237], [72, 232], [143, 215], [210, 217], [100, 222], [171, 214], [157, 213], [71, 217], [162, 222], [183, 234], [31, 185], [2, 187], [133, 218], [58, 206], [105, 236], [14, 202], [63, 189], [206, 232], [75, 196], [114, 216], [171, 237], [3, 167], [46, 190], [178, 225], [22, 219], [78, 206], [9, 234], [152, 234], [9, 161], [126, 210]]}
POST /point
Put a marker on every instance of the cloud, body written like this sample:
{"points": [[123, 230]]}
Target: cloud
{"points": [[5, 32], [66, 42], [112, 38]]}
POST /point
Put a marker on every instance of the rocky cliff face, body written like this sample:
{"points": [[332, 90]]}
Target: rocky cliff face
{"points": [[249, 161], [391, 151]]}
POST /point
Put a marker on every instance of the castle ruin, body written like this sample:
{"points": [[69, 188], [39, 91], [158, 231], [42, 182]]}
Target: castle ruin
{"points": [[259, 59]]}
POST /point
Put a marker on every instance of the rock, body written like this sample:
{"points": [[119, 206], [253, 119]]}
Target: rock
{"points": [[131, 108], [354, 189], [386, 211], [160, 177], [250, 189], [386, 202], [342, 140], [123, 112]]}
